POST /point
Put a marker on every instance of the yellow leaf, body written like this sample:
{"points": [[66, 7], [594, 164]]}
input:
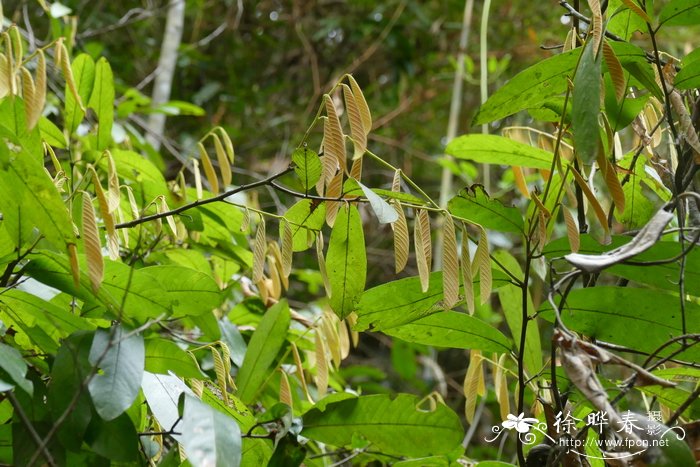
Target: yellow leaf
{"points": [[322, 264], [500, 383], [275, 288], [245, 223], [450, 263], [287, 244], [329, 321], [5, 76], [259, 250], [169, 219], [223, 160], [62, 53], [572, 231], [354, 335], [356, 169], [344, 340], [597, 24], [357, 131], [423, 246], [29, 94], [333, 140], [520, 181], [208, 169], [396, 182], [616, 73], [221, 376], [467, 276], [401, 241], [473, 381], [483, 262], [612, 182], [93, 248], [361, 104], [321, 364], [228, 145]]}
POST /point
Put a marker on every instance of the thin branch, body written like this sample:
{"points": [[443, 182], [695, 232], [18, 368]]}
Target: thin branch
{"points": [[42, 448], [202, 202]]}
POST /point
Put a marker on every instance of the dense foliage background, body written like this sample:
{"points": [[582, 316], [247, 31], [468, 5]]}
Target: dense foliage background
{"points": [[252, 284]]}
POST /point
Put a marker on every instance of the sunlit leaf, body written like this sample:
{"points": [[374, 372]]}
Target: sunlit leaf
{"points": [[346, 261]]}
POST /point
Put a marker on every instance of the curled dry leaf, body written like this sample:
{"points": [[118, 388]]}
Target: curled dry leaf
{"points": [[335, 189], [63, 61], [423, 247], [112, 183], [221, 376], [322, 263], [361, 104], [93, 248], [321, 364], [597, 208], [28, 93], [6, 78], [285, 389], [645, 239], [473, 384], [259, 249], [356, 169], [357, 130], [572, 231], [74, 267], [300, 371], [333, 139], [450, 264], [286, 250], [616, 73], [597, 24], [223, 159], [197, 178], [107, 217], [163, 207], [401, 241], [500, 382], [208, 169]]}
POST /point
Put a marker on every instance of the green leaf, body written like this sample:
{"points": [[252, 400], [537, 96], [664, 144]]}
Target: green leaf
{"points": [[209, 437], [400, 196], [307, 167], [162, 393], [492, 149], [14, 365], [689, 76], [44, 323], [102, 101], [346, 261], [641, 319], [163, 356], [28, 196], [680, 13], [511, 298], [69, 370], [84, 75], [402, 301], [383, 210], [51, 134], [475, 205], [120, 358], [621, 115], [125, 292], [397, 427], [586, 104], [529, 88], [264, 346], [148, 179], [232, 337], [190, 292], [675, 397], [115, 439], [305, 218], [625, 22], [454, 330]]}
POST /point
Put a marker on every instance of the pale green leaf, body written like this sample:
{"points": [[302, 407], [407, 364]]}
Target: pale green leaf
{"points": [[346, 261]]}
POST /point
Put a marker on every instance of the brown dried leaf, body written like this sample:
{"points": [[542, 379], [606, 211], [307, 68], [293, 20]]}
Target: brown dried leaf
{"points": [[616, 73], [335, 189], [93, 248], [450, 264], [361, 104], [275, 288], [501, 387], [597, 26], [197, 178], [259, 250], [286, 250], [112, 183], [356, 169], [274, 249], [321, 364], [208, 169], [482, 260], [613, 184], [62, 54], [333, 139], [401, 241], [423, 247], [473, 381], [330, 330], [300, 372], [223, 160], [107, 217], [285, 389], [572, 231], [520, 181], [357, 131], [597, 208], [632, 5], [467, 275], [396, 182], [5, 76], [221, 375]]}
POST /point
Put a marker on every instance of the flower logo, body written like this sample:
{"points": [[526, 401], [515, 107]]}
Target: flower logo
{"points": [[520, 423]]}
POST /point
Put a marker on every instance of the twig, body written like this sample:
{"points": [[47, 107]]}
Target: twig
{"points": [[691, 398], [202, 202], [42, 448]]}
